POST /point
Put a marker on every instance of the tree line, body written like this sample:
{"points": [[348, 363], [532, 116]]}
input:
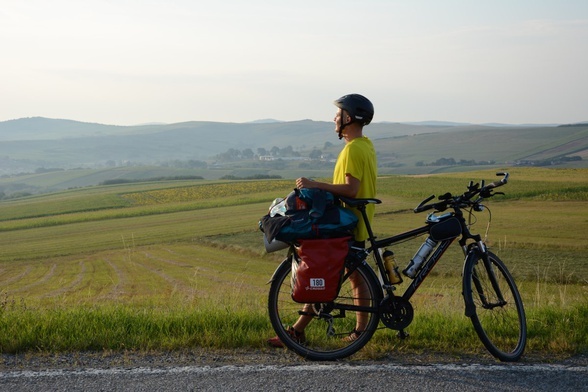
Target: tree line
{"points": [[453, 162], [234, 154]]}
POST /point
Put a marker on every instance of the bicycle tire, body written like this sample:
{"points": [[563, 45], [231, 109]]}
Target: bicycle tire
{"points": [[501, 326], [322, 343]]}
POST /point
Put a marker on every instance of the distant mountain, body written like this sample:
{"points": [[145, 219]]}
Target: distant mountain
{"points": [[438, 123], [259, 133], [520, 125], [30, 143], [38, 128], [265, 121]]}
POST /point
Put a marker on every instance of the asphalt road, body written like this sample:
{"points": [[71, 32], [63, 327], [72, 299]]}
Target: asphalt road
{"points": [[286, 373]]}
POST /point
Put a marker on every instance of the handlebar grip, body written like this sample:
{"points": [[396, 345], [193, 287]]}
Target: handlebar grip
{"points": [[496, 184], [422, 207]]}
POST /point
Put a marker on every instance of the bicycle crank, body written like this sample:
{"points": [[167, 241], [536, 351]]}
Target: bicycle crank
{"points": [[396, 313]]}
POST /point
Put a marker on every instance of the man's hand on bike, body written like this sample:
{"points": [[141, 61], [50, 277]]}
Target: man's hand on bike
{"points": [[304, 182]]}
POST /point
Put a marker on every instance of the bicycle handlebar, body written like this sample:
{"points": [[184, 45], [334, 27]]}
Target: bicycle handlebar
{"points": [[473, 189]]}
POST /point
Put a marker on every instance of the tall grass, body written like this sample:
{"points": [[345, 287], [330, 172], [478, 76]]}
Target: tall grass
{"points": [[553, 332], [124, 327]]}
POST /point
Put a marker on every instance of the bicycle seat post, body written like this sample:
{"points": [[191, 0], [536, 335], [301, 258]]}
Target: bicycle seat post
{"points": [[368, 226]]}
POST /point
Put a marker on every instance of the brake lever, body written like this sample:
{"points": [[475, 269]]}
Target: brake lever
{"points": [[486, 193]]}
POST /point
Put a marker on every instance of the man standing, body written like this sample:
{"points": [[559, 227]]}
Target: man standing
{"points": [[354, 177]]}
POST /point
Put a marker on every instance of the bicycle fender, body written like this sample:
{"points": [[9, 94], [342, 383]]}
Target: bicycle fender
{"points": [[470, 307], [286, 260]]}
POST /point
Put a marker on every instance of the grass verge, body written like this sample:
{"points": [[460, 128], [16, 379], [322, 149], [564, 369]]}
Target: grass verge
{"points": [[551, 332]]}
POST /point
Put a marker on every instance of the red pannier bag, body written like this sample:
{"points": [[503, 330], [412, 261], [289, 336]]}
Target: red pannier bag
{"points": [[317, 269]]}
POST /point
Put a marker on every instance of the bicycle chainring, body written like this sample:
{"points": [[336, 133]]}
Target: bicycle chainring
{"points": [[396, 313]]}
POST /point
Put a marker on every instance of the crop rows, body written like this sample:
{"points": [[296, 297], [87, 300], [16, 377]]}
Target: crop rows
{"points": [[155, 275]]}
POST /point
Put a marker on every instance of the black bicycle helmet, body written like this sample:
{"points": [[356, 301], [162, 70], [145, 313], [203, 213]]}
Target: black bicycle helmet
{"points": [[359, 107]]}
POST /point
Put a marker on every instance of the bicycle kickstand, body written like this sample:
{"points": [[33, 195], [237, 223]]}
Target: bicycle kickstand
{"points": [[402, 335], [330, 328]]}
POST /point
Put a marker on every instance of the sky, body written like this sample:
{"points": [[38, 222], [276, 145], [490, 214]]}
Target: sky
{"points": [[127, 62]]}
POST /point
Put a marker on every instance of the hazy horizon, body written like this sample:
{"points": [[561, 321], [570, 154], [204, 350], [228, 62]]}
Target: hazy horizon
{"points": [[274, 120], [135, 62]]}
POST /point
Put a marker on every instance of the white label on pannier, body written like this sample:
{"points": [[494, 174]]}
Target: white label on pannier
{"points": [[317, 284]]}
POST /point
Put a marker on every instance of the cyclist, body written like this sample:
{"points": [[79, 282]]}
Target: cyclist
{"points": [[354, 177]]}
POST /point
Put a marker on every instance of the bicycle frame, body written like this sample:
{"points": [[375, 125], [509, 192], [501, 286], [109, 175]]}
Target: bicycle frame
{"points": [[468, 242], [430, 262], [426, 267]]}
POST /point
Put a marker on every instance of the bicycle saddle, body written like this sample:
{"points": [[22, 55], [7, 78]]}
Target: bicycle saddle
{"points": [[358, 202]]}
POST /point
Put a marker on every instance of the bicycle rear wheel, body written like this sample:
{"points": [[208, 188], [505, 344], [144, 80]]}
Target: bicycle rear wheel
{"points": [[494, 305], [332, 323]]}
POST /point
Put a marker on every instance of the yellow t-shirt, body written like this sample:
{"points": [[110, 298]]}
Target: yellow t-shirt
{"points": [[358, 159]]}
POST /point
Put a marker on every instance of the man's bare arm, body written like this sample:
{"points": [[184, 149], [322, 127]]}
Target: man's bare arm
{"points": [[349, 189]]}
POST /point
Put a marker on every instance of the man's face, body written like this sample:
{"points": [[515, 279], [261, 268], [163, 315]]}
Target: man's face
{"points": [[341, 117]]}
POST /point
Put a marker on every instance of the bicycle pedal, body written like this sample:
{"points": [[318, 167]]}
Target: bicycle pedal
{"points": [[402, 335]]}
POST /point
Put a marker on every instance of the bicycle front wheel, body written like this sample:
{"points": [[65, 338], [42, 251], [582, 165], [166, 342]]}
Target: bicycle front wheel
{"points": [[494, 305], [328, 335]]}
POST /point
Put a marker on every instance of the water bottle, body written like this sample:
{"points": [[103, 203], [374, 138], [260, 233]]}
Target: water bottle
{"points": [[420, 256], [391, 267]]}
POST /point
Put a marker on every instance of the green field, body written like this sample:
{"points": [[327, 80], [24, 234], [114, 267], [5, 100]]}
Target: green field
{"points": [[176, 264]]}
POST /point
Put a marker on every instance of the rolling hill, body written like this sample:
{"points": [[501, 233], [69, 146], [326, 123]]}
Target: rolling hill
{"points": [[40, 142], [48, 149]]}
